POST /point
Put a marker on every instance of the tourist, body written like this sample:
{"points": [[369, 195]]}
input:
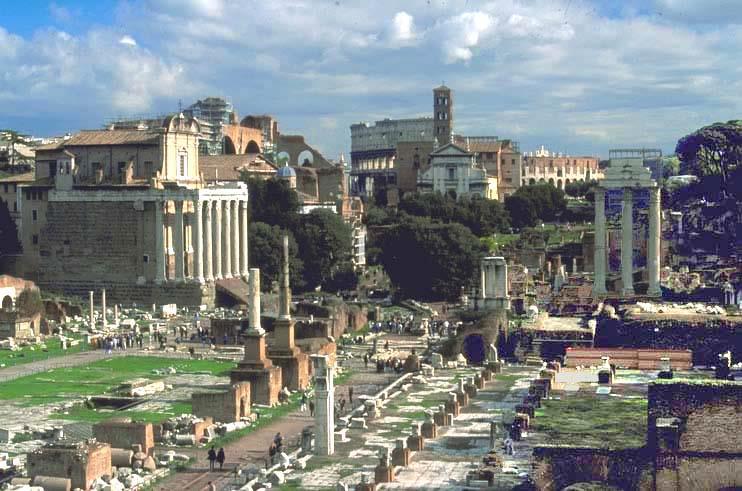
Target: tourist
{"points": [[304, 399], [272, 453], [311, 408], [220, 458], [342, 405], [386, 346], [212, 458], [350, 395], [508, 446], [278, 440], [211, 487]]}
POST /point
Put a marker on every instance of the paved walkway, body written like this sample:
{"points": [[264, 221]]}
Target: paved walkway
{"points": [[253, 447]]}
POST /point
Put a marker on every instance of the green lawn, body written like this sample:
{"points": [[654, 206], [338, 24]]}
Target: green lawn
{"points": [[28, 355], [98, 378], [591, 420]]}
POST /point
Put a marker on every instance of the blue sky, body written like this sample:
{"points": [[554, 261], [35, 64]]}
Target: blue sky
{"points": [[578, 76]]}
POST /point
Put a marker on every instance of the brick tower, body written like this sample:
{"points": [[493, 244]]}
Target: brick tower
{"points": [[443, 114]]}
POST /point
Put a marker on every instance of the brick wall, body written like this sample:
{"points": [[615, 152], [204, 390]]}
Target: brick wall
{"points": [[124, 434], [81, 464], [225, 406]]}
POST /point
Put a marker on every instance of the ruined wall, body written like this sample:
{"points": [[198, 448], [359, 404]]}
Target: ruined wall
{"points": [[81, 464], [226, 406], [124, 434], [705, 336], [556, 467]]}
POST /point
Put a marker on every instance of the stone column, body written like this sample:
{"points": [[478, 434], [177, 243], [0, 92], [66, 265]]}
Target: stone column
{"points": [[254, 298], [284, 306], [627, 243], [227, 228], [159, 244], [483, 279], [599, 258], [235, 238], [653, 244], [178, 242], [92, 310], [324, 403], [103, 307], [217, 231], [208, 233], [197, 237], [244, 244]]}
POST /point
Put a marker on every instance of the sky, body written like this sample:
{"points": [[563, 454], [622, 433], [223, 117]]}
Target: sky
{"points": [[578, 76]]}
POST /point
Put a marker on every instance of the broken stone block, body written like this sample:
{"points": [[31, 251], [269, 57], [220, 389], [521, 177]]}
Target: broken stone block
{"points": [[277, 478]]}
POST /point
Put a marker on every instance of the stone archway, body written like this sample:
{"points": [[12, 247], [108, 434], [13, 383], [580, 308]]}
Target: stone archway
{"points": [[229, 148], [475, 349], [551, 181], [531, 181], [306, 158], [559, 183], [7, 304], [252, 147]]}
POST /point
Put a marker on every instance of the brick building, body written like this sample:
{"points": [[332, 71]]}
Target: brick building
{"points": [[81, 463], [543, 166]]}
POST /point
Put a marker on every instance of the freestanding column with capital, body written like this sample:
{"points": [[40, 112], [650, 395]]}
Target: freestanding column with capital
{"points": [[243, 243], [235, 238], [178, 241], [92, 310], [209, 259], [653, 243], [159, 244], [197, 237], [217, 231], [227, 228], [627, 243], [599, 258]]}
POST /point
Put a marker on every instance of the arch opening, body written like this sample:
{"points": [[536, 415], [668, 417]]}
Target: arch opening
{"points": [[474, 349], [7, 303], [229, 147], [252, 147]]}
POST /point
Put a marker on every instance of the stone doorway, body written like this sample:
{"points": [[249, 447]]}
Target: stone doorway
{"points": [[475, 349]]}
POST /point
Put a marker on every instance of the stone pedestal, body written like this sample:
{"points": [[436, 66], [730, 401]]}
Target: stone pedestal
{"points": [[479, 382], [494, 366], [449, 419], [401, 454], [439, 417], [429, 429], [452, 405], [293, 362], [461, 395], [416, 443], [470, 388], [486, 376]]}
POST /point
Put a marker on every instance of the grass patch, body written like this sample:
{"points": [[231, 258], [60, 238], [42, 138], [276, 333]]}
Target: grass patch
{"points": [[98, 378], [591, 420], [27, 355]]}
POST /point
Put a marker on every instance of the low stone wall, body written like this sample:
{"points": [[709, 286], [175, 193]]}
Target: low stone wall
{"points": [[643, 359], [125, 433], [705, 337], [225, 406]]}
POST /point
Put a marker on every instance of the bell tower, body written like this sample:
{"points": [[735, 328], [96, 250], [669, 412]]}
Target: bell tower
{"points": [[442, 114]]}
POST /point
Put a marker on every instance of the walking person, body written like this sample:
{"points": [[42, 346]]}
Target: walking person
{"points": [[304, 398], [350, 395], [212, 459], [211, 487], [220, 458], [311, 409]]}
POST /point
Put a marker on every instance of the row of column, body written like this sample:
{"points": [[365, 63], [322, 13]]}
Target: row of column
{"points": [[627, 243], [218, 240]]}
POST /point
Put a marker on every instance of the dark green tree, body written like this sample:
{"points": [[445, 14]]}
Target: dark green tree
{"points": [[9, 243], [266, 252], [325, 246], [29, 302], [272, 201], [712, 150], [522, 210], [430, 261]]}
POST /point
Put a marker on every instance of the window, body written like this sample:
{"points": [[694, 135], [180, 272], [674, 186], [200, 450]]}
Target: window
{"points": [[513, 162], [15, 206], [35, 239], [34, 215], [182, 164], [149, 169], [145, 258], [5, 187], [451, 173]]}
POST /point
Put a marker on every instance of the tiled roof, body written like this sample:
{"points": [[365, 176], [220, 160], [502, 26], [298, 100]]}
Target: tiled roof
{"points": [[105, 137], [228, 167]]}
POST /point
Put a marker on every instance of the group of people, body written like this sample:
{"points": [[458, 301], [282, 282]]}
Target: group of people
{"points": [[216, 458], [122, 342], [276, 448]]}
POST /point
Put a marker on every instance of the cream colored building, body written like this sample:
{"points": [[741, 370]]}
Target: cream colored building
{"points": [[129, 211], [543, 166], [455, 172]]}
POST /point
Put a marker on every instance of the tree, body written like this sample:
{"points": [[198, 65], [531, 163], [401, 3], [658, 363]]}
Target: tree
{"points": [[325, 246], [29, 302], [430, 261], [272, 201], [9, 243], [522, 210], [712, 150], [266, 252], [482, 216]]}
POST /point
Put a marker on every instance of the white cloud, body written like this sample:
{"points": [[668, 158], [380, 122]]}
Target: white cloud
{"points": [[403, 28], [464, 32], [127, 40], [59, 13]]}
